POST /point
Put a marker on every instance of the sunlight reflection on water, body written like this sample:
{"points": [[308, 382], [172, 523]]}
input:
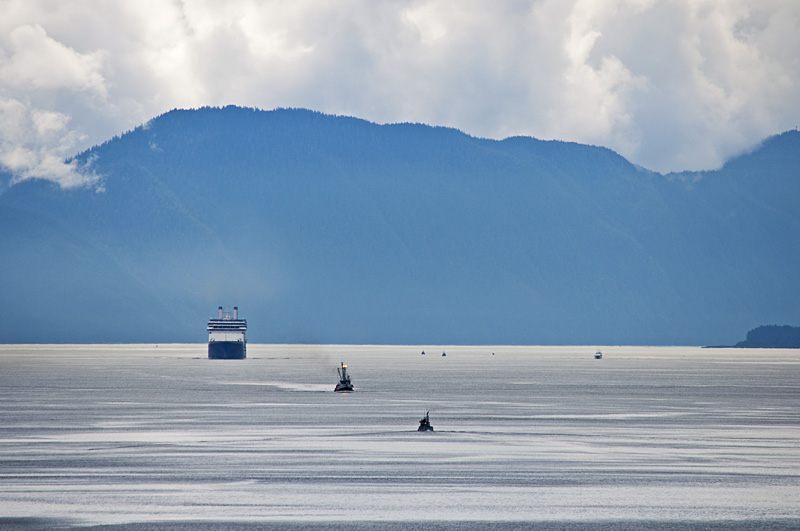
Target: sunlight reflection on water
{"points": [[131, 434]]}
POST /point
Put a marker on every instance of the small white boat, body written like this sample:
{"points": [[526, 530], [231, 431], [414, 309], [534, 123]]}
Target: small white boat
{"points": [[598, 355]]}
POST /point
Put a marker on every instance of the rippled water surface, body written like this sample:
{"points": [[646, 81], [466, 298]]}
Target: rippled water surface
{"points": [[146, 436]]}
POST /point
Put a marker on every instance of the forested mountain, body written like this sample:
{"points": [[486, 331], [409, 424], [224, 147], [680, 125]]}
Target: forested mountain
{"points": [[772, 336], [336, 230]]}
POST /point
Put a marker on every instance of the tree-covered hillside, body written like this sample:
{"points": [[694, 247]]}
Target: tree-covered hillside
{"points": [[772, 336], [334, 229]]}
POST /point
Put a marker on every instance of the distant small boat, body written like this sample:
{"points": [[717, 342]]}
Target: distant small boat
{"points": [[443, 354], [423, 352], [344, 385], [425, 424], [598, 355]]}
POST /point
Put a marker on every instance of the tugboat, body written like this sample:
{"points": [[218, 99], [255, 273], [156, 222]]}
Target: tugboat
{"points": [[344, 385], [598, 355], [425, 424]]}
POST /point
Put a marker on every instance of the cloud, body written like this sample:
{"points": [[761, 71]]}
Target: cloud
{"points": [[38, 62], [712, 78], [670, 84], [35, 143]]}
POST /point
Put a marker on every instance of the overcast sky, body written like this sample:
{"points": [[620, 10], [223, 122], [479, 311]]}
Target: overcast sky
{"points": [[670, 84]]}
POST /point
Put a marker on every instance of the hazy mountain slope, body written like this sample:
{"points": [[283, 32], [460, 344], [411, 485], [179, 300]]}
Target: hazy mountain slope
{"points": [[57, 288], [332, 229], [748, 215]]}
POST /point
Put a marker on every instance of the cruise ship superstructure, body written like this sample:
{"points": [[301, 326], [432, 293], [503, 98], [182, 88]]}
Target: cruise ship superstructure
{"points": [[226, 336]]}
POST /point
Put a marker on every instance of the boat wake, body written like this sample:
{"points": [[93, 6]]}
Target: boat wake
{"points": [[288, 386]]}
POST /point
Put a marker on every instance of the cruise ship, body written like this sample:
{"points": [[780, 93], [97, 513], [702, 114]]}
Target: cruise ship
{"points": [[226, 339]]}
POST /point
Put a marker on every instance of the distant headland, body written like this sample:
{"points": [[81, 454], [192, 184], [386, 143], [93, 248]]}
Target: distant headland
{"points": [[771, 336]]}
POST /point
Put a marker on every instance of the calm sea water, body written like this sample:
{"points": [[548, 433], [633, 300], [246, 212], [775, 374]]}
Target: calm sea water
{"points": [[147, 437]]}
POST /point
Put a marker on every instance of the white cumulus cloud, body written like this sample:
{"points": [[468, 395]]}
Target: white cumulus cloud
{"points": [[39, 62], [670, 84], [35, 143]]}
